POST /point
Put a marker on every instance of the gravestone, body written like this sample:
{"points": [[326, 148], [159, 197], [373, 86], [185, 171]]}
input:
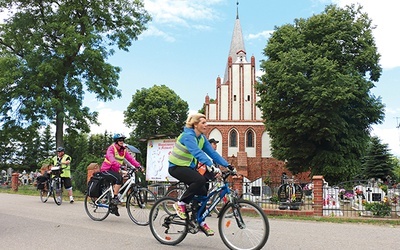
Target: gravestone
{"points": [[290, 195]]}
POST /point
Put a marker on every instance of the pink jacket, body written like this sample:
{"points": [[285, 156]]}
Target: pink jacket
{"points": [[112, 163]]}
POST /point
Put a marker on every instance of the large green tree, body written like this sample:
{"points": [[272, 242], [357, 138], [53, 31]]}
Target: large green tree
{"points": [[156, 111], [378, 162], [52, 51], [315, 92]]}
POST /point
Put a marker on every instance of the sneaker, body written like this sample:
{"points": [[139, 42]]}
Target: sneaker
{"points": [[71, 200], [115, 201], [208, 231], [114, 210], [180, 210]]}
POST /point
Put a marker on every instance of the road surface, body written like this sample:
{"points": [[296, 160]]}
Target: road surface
{"points": [[27, 223]]}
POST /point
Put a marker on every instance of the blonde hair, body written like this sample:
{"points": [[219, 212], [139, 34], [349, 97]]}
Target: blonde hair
{"points": [[194, 119]]}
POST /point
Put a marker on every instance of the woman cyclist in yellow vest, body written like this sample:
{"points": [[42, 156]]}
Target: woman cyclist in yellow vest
{"points": [[190, 148], [115, 155]]}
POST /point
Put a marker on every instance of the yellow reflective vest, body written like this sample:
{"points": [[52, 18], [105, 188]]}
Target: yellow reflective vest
{"points": [[180, 155], [119, 158]]}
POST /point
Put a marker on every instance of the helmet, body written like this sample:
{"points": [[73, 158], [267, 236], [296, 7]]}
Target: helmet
{"points": [[60, 149], [118, 136]]}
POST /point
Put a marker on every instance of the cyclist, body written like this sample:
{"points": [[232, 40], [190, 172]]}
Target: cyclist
{"points": [[115, 155], [190, 148], [64, 161]]}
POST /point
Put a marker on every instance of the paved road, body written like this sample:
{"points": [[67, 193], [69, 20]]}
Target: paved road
{"points": [[26, 223]]}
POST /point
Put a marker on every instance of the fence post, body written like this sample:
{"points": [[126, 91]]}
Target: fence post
{"points": [[318, 182], [237, 184], [14, 181]]}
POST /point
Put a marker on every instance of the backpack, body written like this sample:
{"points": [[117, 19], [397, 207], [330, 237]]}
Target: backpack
{"points": [[41, 182], [94, 185]]}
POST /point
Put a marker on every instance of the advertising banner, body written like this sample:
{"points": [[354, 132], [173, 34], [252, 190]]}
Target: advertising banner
{"points": [[157, 159]]}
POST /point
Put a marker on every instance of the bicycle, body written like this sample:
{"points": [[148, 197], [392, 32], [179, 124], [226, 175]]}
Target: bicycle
{"points": [[179, 188], [57, 184], [138, 203], [54, 186], [242, 224], [45, 188]]}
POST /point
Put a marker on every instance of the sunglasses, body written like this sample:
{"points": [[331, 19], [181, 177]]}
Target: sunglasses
{"points": [[121, 140]]}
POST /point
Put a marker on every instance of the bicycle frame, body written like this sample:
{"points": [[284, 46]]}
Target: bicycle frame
{"points": [[125, 188], [204, 211]]}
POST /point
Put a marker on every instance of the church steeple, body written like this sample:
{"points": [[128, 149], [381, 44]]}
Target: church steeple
{"points": [[237, 43]]}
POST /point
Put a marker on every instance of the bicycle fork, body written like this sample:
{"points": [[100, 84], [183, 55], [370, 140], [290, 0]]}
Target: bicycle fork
{"points": [[238, 215]]}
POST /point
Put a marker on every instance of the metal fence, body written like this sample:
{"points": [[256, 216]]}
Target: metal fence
{"points": [[361, 198]]}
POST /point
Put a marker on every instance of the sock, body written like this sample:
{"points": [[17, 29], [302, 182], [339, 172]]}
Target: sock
{"points": [[181, 203]]}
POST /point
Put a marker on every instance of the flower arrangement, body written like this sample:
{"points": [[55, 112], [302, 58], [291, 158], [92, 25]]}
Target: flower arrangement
{"points": [[348, 195], [395, 199], [380, 209]]}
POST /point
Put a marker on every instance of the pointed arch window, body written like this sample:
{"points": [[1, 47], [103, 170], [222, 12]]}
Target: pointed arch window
{"points": [[250, 139], [233, 138]]}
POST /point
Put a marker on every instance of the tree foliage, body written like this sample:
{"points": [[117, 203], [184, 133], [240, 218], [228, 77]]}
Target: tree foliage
{"points": [[157, 111], [378, 161], [51, 52], [315, 93]]}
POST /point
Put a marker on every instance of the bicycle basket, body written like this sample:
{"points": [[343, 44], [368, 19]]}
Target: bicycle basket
{"points": [[56, 170]]}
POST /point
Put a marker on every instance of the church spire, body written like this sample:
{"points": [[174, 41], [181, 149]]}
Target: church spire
{"points": [[237, 10], [237, 42]]}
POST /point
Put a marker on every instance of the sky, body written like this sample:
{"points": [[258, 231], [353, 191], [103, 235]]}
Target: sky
{"points": [[187, 43]]}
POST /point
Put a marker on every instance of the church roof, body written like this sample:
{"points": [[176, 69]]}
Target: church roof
{"points": [[237, 43]]}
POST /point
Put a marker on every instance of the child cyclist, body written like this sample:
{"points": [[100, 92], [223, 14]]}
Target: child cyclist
{"points": [[190, 148]]}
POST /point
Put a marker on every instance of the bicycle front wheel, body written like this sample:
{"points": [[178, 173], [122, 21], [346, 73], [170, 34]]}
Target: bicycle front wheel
{"points": [[57, 191], [243, 226], [165, 224], [44, 194], [139, 204]]}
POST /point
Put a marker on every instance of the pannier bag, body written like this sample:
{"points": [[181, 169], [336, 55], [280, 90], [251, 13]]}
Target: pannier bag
{"points": [[94, 185], [41, 182]]}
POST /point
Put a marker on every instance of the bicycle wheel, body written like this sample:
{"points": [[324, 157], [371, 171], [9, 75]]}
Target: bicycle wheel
{"points": [[165, 225], [100, 210], [247, 229], [44, 194], [57, 191], [175, 193], [139, 204]]}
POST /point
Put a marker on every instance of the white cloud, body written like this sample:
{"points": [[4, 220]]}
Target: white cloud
{"points": [[153, 31], [390, 137], [384, 15], [190, 14], [263, 34], [178, 12], [110, 118]]}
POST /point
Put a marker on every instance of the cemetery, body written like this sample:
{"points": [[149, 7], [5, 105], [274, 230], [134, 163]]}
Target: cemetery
{"points": [[360, 198]]}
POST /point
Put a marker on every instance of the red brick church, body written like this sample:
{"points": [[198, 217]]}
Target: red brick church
{"points": [[235, 121]]}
